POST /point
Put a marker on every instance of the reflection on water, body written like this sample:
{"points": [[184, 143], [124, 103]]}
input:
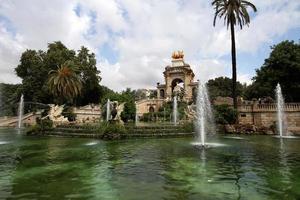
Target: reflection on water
{"points": [[91, 143], [258, 167], [4, 142]]}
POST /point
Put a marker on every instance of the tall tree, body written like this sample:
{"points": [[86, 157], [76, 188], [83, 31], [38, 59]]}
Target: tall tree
{"points": [[35, 66], [222, 86], [90, 76], [64, 83], [234, 13], [282, 66]]}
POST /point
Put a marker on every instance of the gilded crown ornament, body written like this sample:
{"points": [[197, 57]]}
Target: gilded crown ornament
{"points": [[177, 55]]}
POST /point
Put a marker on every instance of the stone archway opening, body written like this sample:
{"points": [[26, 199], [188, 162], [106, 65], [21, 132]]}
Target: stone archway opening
{"points": [[162, 93], [151, 109], [177, 82]]}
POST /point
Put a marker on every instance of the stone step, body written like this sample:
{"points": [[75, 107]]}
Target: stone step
{"points": [[155, 131], [155, 127], [68, 134], [157, 135], [72, 130]]}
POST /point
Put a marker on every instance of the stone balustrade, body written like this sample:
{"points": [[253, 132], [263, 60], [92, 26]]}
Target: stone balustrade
{"points": [[289, 107]]}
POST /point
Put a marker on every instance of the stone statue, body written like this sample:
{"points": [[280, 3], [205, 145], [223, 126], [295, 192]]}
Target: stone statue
{"points": [[116, 112], [55, 115], [178, 90], [190, 112]]}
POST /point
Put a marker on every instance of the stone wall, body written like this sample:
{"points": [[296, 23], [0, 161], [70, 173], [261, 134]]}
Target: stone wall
{"points": [[265, 115], [29, 119], [143, 106], [88, 113]]}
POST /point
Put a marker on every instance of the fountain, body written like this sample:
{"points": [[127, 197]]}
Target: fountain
{"points": [[108, 110], [204, 118], [281, 118], [136, 116], [280, 110], [20, 111], [175, 113]]}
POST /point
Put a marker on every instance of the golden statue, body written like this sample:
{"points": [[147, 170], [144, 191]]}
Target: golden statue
{"points": [[177, 55]]}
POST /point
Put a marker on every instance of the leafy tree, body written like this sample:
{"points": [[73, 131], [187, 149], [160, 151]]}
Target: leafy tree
{"points": [[35, 66], [64, 83], [234, 13], [127, 97], [9, 98], [129, 111], [221, 86], [90, 75], [225, 114], [282, 66], [33, 74]]}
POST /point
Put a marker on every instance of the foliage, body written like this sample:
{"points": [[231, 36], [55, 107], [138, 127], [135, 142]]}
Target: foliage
{"points": [[90, 75], [68, 112], [127, 97], [166, 112], [105, 128], [129, 111], [114, 128], [41, 126], [221, 86], [282, 66], [234, 12], [9, 98], [225, 114], [35, 66], [187, 127], [64, 83]]}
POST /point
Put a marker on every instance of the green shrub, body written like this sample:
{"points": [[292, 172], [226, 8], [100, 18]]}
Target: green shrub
{"points": [[114, 128], [40, 127], [45, 124], [129, 111], [34, 130], [225, 114], [187, 127], [68, 112]]}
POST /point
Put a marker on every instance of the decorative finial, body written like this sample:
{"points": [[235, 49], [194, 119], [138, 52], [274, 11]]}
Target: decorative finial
{"points": [[177, 55]]}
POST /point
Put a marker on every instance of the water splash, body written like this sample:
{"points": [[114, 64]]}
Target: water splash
{"points": [[281, 119], [91, 143], [175, 112], [136, 116], [108, 110], [204, 117], [20, 112]]}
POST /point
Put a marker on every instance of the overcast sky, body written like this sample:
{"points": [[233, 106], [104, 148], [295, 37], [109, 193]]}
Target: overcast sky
{"points": [[134, 39]]}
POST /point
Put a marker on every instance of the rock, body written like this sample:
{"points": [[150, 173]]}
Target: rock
{"points": [[229, 128], [111, 136]]}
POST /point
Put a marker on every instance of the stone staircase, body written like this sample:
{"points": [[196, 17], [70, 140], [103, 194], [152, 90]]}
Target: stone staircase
{"points": [[157, 131], [132, 132]]}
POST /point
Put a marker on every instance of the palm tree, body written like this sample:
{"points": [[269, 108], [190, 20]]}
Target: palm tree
{"points": [[64, 83], [234, 13]]}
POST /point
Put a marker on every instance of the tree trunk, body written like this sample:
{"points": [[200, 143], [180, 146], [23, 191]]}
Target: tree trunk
{"points": [[233, 56]]}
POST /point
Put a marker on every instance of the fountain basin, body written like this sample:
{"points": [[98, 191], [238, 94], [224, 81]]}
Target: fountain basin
{"points": [[3, 142], [207, 145], [234, 137], [286, 137]]}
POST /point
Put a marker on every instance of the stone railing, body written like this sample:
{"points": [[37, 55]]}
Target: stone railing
{"points": [[288, 107], [13, 120]]}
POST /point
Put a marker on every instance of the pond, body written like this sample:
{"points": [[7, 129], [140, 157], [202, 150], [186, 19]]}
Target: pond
{"points": [[244, 167]]}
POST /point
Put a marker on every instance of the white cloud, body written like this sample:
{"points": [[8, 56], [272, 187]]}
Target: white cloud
{"points": [[245, 78], [143, 33], [11, 48]]}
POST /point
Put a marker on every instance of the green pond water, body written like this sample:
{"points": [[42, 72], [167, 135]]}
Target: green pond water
{"points": [[250, 167]]}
